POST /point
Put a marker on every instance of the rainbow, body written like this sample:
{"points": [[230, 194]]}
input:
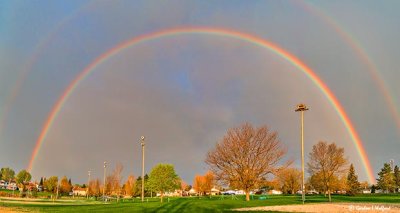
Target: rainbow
{"points": [[28, 65], [215, 32], [360, 53]]}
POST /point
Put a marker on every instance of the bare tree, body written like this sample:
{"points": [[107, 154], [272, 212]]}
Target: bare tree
{"points": [[245, 156], [116, 180], [94, 187], [328, 161]]}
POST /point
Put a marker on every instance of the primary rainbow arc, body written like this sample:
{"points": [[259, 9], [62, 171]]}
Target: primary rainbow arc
{"points": [[216, 32]]}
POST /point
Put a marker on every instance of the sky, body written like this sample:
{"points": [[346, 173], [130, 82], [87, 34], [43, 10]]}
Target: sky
{"points": [[183, 92]]}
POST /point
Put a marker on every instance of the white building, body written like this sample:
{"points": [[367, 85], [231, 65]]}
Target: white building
{"points": [[78, 191]]}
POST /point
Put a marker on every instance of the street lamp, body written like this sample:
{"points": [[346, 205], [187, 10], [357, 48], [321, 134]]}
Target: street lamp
{"points": [[104, 180], [142, 143], [301, 108], [88, 189]]}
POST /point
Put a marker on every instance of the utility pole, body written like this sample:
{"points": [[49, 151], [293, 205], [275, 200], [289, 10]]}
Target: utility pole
{"points": [[301, 108], [104, 181], [88, 185], [142, 143]]}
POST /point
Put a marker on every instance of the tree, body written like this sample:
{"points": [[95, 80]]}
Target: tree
{"points": [[113, 181], [353, 186], [328, 161], [138, 186], [364, 185], [22, 178], [289, 180], [373, 189], [198, 184], [315, 182], [188, 188], [183, 188], [51, 184], [386, 180], [396, 173], [129, 186], [65, 186], [163, 179], [41, 182], [208, 181], [116, 180], [204, 184], [339, 183], [108, 184], [94, 187], [7, 174], [272, 184], [245, 156]]}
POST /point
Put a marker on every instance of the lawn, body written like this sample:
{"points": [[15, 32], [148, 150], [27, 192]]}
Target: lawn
{"points": [[214, 204]]}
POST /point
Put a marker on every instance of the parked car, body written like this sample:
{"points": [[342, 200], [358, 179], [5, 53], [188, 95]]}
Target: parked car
{"points": [[229, 192]]}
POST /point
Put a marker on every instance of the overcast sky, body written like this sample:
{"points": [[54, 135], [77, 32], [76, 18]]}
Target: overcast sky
{"points": [[183, 92]]}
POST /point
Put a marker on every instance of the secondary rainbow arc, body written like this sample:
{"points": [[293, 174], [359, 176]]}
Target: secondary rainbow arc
{"points": [[355, 45], [216, 32]]}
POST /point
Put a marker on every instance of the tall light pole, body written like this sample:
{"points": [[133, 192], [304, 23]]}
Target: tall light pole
{"points": [[301, 108], [142, 143], [88, 185], [104, 180]]}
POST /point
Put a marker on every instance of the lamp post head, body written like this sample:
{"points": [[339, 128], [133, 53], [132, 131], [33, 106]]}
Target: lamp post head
{"points": [[301, 107], [142, 140], [105, 164]]}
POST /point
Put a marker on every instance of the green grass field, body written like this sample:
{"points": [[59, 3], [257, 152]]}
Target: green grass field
{"points": [[186, 204]]}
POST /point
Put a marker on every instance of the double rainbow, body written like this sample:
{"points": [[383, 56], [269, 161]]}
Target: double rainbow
{"points": [[251, 39]]}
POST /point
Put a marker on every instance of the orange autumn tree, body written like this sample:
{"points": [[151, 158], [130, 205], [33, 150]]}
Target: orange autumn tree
{"points": [[65, 186], [204, 184], [198, 184], [208, 181], [129, 186]]}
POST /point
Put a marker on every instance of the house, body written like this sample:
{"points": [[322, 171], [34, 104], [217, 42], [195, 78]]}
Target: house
{"points": [[12, 186], [176, 193], [31, 186], [275, 192], [192, 192], [78, 191], [3, 184], [215, 191]]}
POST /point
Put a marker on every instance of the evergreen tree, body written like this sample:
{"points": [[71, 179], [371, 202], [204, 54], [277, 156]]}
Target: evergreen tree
{"points": [[353, 186], [386, 179], [41, 181], [138, 186], [397, 178], [373, 188]]}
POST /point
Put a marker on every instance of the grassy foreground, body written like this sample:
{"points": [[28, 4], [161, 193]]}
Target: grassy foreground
{"points": [[214, 204]]}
